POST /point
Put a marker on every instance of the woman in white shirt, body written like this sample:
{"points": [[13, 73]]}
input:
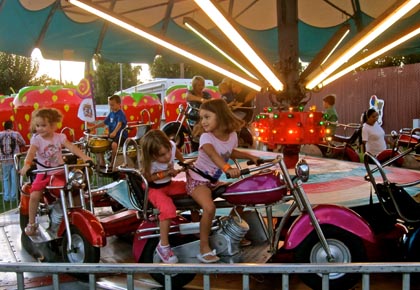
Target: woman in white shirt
{"points": [[373, 136]]}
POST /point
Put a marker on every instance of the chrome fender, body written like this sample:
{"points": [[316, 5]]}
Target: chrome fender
{"points": [[89, 226], [335, 215]]}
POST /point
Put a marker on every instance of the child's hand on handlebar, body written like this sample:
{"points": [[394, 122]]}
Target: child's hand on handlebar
{"points": [[24, 170], [89, 162], [174, 172], [233, 173]]}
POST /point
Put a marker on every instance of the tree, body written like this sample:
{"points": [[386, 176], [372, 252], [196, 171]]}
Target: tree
{"points": [[16, 72], [386, 61], [161, 68], [107, 79], [46, 80]]}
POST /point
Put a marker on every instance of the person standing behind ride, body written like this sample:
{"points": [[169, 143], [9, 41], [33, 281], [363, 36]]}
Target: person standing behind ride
{"points": [[226, 93], [46, 146], [158, 158], [116, 122], [218, 140], [195, 97], [330, 114], [373, 136], [244, 97], [10, 142]]}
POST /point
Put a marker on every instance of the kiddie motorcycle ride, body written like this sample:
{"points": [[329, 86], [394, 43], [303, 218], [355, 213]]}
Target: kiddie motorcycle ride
{"points": [[405, 139], [183, 126], [342, 147], [99, 147], [310, 233], [397, 203], [68, 229]]}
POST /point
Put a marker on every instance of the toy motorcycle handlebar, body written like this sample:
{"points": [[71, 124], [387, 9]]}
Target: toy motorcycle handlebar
{"points": [[261, 164], [89, 163], [345, 126], [89, 135], [389, 161]]}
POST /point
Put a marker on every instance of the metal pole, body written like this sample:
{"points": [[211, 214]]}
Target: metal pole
{"points": [[121, 78]]}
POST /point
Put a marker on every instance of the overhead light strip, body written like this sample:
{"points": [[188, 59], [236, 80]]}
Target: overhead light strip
{"points": [[163, 43], [227, 28], [202, 34], [346, 32], [372, 56], [364, 40]]}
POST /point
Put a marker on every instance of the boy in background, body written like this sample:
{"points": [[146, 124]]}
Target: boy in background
{"points": [[330, 114], [116, 122]]}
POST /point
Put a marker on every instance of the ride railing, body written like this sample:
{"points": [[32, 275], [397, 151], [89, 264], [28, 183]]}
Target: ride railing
{"points": [[406, 270]]}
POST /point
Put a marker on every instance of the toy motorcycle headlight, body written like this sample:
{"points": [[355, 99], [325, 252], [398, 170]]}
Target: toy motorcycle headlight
{"points": [[302, 170], [76, 178]]}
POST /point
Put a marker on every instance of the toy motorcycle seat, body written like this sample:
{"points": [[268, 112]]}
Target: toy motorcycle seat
{"points": [[347, 139], [186, 201]]}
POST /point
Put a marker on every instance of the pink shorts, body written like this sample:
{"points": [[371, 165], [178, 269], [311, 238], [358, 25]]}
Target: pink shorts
{"points": [[43, 180], [193, 183]]}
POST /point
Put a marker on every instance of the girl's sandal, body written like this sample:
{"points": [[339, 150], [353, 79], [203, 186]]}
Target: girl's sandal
{"points": [[31, 229], [208, 258]]}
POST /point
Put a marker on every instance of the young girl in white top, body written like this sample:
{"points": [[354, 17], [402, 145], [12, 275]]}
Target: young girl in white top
{"points": [[46, 146], [218, 143], [158, 155]]}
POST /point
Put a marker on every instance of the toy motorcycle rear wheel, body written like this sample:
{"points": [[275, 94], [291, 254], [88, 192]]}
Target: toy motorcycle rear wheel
{"points": [[245, 138], [344, 246], [150, 256]]}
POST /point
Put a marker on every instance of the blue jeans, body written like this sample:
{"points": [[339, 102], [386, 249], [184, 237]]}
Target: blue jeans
{"points": [[9, 180]]}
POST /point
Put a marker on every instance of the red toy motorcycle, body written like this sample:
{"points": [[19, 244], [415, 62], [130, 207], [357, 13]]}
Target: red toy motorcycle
{"points": [[342, 147], [406, 138], [68, 228]]}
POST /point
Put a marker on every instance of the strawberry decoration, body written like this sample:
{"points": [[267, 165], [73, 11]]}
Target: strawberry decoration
{"points": [[133, 105], [177, 95]]}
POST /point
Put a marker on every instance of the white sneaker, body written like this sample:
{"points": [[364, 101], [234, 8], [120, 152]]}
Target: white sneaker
{"points": [[166, 254]]}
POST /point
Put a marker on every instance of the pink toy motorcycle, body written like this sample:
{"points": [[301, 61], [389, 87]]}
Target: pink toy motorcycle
{"points": [[308, 233]]}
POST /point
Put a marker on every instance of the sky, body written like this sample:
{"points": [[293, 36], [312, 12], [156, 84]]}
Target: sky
{"points": [[72, 71]]}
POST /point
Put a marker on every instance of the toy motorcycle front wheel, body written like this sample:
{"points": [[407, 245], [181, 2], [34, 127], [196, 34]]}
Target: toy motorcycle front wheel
{"points": [[150, 256], [345, 248], [82, 251], [171, 131]]}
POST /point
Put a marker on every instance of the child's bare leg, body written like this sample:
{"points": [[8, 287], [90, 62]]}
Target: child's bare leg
{"points": [[164, 231], [33, 205], [100, 159], [202, 195], [31, 228], [114, 147]]}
